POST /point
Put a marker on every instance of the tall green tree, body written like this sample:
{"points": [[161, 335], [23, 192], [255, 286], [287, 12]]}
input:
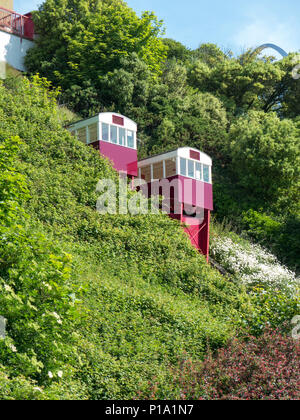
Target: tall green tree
{"points": [[177, 50], [241, 87], [247, 82], [210, 54], [80, 41], [182, 116], [265, 154], [127, 87], [288, 89]]}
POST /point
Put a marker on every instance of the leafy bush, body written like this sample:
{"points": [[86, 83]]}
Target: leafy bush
{"points": [[279, 236], [264, 368], [18, 388], [134, 294], [274, 290], [34, 296], [36, 303], [265, 156], [12, 184], [253, 265], [272, 308], [21, 388], [79, 44], [145, 292]]}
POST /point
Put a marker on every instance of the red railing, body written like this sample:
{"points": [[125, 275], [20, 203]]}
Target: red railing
{"points": [[16, 24]]}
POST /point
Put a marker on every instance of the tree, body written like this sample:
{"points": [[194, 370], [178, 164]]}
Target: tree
{"points": [[247, 82], [265, 154], [241, 86], [182, 116], [177, 50], [127, 87], [81, 41], [210, 54], [288, 90]]}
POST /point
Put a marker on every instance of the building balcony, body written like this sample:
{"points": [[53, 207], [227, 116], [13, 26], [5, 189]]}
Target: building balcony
{"points": [[16, 24]]}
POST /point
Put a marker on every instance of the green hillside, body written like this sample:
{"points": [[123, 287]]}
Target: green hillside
{"points": [[106, 302], [241, 110], [109, 301], [115, 306]]}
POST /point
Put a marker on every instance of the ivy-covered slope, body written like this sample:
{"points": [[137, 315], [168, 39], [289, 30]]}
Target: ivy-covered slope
{"points": [[95, 305], [242, 110]]}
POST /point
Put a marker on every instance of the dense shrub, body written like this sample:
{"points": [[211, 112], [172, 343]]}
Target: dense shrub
{"points": [[134, 294], [34, 295], [12, 184], [145, 292], [265, 156], [274, 289], [253, 265], [81, 42], [243, 110], [264, 368], [281, 236]]}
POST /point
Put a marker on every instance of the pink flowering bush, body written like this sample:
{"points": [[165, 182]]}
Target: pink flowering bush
{"points": [[263, 368]]}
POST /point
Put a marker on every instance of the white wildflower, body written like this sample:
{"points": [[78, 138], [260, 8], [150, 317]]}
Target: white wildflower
{"points": [[13, 348], [254, 265], [57, 317]]}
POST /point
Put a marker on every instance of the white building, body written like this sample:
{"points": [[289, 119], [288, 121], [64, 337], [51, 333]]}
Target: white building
{"points": [[16, 37]]}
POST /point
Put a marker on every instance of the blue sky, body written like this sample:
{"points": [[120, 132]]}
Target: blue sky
{"points": [[234, 24]]}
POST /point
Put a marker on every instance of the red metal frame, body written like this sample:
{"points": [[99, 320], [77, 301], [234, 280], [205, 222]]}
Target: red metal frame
{"points": [[199, 234], [16, 24], [197, 194], [197, 229], [193, 235]]}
